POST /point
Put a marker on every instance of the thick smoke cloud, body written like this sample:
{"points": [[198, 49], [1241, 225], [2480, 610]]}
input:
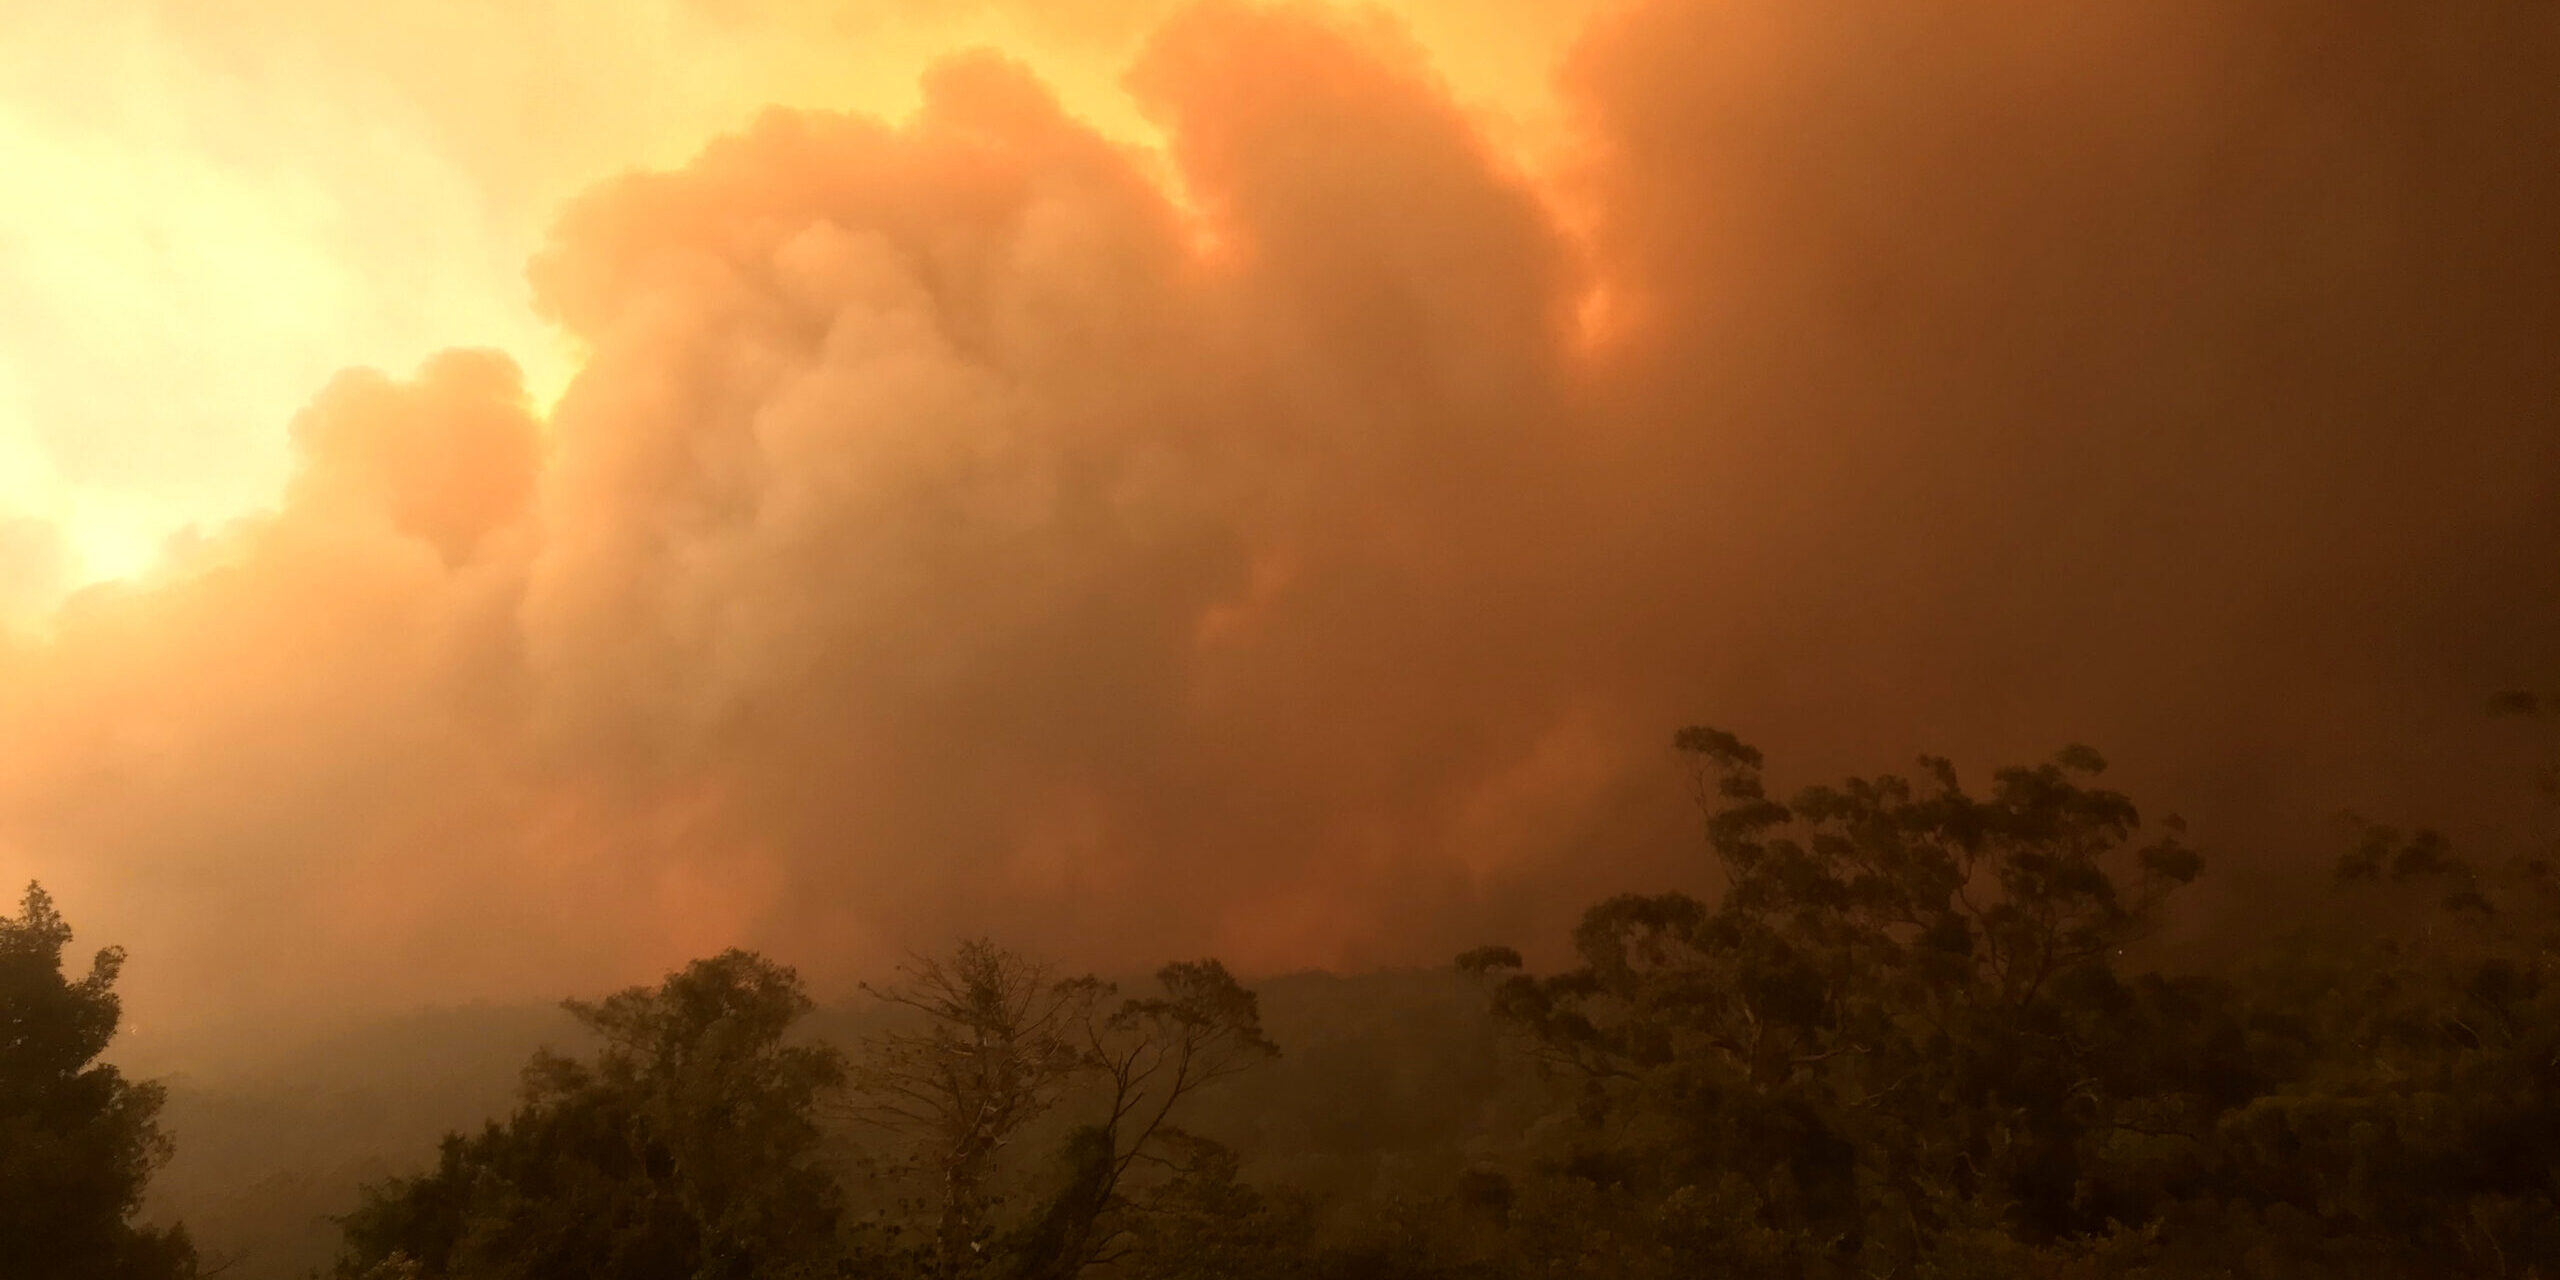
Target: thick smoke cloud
{"points": [[954, 528], [2161, 374]]}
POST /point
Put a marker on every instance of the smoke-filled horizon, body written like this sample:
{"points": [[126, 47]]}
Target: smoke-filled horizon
{"points": [[1300, 546]]}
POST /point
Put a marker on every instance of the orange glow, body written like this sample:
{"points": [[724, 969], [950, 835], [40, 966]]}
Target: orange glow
{"points": [[497, 496], [218, 205]]}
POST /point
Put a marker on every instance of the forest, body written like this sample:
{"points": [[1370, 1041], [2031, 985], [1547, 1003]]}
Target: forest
{"points": [[1922, 1029]]}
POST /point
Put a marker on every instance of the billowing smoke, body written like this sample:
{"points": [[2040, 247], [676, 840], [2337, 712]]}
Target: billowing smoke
{"points": [[959, 526]]}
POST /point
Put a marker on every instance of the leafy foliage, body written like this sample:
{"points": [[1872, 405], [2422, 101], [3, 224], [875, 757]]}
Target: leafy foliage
{"points": [[1903, 1009], [78, 1141], [1906, 1041], [686, 1149], [1912, 1037]]}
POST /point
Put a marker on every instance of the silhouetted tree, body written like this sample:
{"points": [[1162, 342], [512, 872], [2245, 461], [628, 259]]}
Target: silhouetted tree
{"points": [[2421, 1134], [998, 1042], [1901, 1025], [687, 1148], [1150, 1054], [78, 1141], [988, 1051]]}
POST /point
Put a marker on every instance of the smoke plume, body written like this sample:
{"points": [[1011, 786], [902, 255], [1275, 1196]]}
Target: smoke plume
{"points": [[1300, 545]]}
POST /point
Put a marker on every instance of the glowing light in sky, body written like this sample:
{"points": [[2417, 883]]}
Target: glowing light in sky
{"points": [[212, 209]]}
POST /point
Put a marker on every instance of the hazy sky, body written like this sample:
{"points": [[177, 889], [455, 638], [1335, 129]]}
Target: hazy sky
{"points": [[1218, 478], [212, 206]]}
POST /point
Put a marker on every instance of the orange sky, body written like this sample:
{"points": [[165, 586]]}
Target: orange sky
{"points": [[213, 206], [563, 487]]}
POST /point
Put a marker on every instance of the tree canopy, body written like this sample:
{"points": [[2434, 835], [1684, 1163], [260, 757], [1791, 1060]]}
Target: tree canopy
{"points": [[685, 1148], [1914, 1028], [78, 1141], [1907, 1040]]}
